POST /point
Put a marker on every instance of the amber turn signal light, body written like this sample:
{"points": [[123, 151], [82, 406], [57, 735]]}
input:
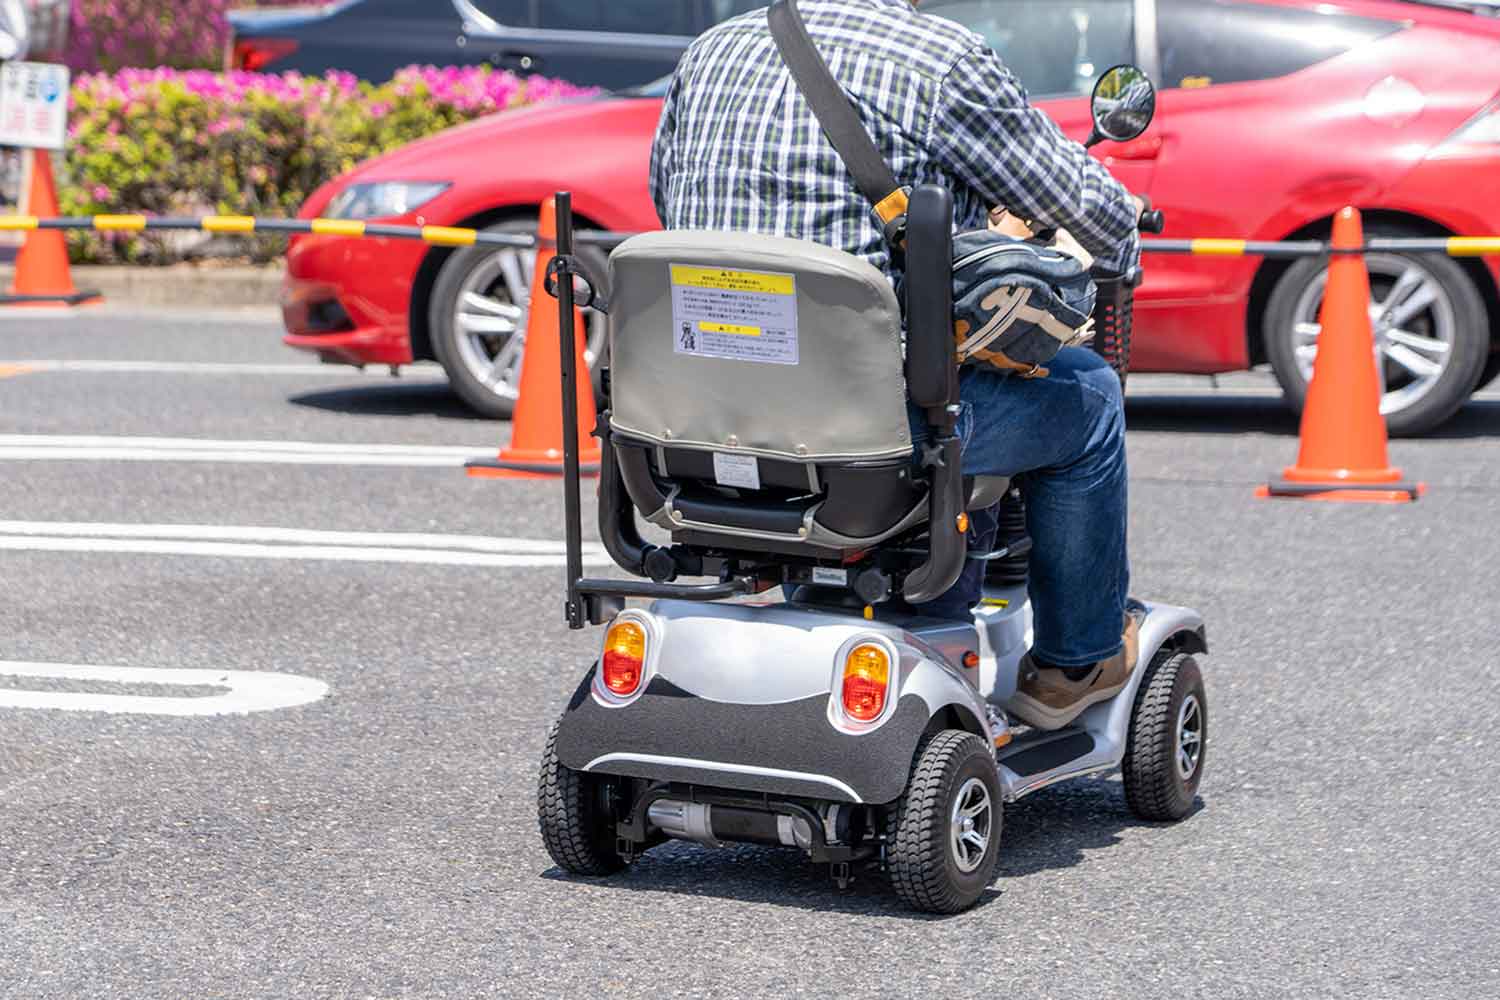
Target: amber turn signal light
{"points": [[624, 658], [867, 682]]}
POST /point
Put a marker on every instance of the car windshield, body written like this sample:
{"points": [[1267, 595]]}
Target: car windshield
{"points": [[1055, 47]]}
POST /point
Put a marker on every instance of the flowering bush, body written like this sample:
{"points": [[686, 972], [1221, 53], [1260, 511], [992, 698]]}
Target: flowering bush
{"points": [[170, 142], [110, 34]]}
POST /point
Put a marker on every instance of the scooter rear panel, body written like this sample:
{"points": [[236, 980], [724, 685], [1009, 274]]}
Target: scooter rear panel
{"points": [[743, 697]]}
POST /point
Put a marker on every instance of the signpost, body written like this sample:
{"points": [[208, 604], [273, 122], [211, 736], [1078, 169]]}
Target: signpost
{"points": [[33, 105]]}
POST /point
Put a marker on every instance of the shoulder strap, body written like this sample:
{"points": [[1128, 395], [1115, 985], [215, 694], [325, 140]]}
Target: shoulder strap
{"points": [[836, 114]]}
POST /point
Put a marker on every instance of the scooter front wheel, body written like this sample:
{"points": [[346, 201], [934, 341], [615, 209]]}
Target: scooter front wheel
{"points": [[943, 835], [574, 817], [1168, 741]]}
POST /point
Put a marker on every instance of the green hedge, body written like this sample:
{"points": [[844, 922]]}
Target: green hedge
{"points": [[187, 143]]}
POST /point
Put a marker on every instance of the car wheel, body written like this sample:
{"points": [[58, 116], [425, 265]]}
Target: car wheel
{"points": [[477, 319], [1431, 334]]}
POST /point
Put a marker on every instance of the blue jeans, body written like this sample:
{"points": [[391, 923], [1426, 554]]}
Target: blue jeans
{"points": [[1063, 440]]}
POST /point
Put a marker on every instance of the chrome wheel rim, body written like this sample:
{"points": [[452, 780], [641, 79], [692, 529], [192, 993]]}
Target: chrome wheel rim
{"points": [[489, 320], [1189, 737], [1414, 323], [970, 823]]}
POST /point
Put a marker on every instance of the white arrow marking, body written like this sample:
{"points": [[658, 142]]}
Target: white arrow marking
{"points": [[247, 691]]}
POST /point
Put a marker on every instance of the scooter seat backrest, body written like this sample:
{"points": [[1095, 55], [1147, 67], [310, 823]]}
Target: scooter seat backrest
{"points": [[749, 345]]}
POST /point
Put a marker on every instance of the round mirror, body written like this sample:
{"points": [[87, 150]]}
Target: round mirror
{"points": [[1124, 103]]}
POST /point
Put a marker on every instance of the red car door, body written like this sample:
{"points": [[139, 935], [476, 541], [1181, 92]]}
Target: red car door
{"points": [[1231, 145]]}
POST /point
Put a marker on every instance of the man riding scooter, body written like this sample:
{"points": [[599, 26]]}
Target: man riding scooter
{"points": [[738, 149]]}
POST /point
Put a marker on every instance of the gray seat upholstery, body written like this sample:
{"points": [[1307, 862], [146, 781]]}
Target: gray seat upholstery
{"points": [[758, 390], [832, 390]]}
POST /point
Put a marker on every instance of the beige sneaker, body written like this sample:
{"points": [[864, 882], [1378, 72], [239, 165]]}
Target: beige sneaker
{"points": [[1047, 699]]}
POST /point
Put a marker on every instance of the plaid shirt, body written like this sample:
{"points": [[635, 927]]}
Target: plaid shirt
{"points": [[738, 148]]}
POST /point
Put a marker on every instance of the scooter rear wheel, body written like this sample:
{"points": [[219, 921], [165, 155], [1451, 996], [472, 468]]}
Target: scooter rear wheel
{"points": [[943, 835], [573, 817]]}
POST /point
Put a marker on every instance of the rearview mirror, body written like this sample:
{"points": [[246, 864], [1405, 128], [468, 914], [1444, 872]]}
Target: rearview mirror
{"points": [[1124, 104]]}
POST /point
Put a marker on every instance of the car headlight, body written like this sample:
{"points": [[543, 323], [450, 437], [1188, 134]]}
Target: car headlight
{"points": [[383, 199], [1479, 136]]}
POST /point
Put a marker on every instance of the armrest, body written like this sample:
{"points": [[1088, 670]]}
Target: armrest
{"points": [[931, 364]]}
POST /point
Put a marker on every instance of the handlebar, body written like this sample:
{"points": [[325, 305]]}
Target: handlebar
{"points": [[1153, 221]]}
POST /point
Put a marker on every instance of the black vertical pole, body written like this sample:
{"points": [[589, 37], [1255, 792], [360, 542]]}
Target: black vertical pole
{"points": [[568, 345]]}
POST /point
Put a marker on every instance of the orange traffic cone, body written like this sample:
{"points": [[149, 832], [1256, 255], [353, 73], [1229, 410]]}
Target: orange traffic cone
{"points": [[536, 441], [1343, 453], [42, 273]]}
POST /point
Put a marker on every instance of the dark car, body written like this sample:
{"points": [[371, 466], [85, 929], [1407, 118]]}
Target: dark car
{"points": [[598, 43]]}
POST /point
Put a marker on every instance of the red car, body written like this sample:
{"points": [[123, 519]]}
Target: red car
{"points": [[1272, 115]]}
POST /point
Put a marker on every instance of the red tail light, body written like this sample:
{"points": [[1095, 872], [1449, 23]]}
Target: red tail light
{"points": [[624, 660], [867, 682], [255, 54]]}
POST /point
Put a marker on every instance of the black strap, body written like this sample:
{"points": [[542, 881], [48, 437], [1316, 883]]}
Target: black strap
{"points": [[836, 114]]}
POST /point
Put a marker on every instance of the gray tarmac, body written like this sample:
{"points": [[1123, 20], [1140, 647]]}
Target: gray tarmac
{"points": [[381, 841]]}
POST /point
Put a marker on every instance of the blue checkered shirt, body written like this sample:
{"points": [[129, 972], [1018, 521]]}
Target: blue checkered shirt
{"points": [[738, 148]]}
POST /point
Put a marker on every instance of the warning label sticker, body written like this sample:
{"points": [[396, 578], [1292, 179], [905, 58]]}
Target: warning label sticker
{"points": [[738, 315]]}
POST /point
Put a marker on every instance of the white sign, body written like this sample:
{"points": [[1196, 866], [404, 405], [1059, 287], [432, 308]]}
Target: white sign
{"points": [[33, 105], [739, 471], [737, 315]]}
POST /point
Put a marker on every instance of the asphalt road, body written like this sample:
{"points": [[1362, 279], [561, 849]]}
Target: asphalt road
{"points": [[380, 841]]}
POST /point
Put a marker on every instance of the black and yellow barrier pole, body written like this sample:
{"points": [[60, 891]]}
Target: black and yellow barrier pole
{"points": [[246, 225], [450, 236], [1452, 246]]}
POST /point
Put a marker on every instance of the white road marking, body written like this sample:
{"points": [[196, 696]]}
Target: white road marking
{"points": [[212, 368], [247, 691], [252, 542], [105, 448]]}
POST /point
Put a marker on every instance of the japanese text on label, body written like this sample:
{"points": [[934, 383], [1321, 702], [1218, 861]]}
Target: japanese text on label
{"points": [[738, 315]]}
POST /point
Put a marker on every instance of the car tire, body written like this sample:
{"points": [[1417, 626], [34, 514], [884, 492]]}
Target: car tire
{"points": [[476, 319], [923, 853], [576, 827], [1168, 742], [1447, 341]]}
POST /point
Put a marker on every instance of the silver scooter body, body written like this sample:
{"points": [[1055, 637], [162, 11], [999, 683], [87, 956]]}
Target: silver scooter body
{"points": [[745, 697]]}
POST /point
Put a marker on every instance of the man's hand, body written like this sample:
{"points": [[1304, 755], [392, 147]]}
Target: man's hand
{"points": [[1002, 221]]}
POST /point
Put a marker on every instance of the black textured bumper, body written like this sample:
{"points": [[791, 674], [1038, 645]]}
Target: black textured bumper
{"points": [[704, 741]]}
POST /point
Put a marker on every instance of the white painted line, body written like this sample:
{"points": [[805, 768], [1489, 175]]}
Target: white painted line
{"points": [[104, 448], [245, 542], [215, 368], [300, 536], [247, 691]]}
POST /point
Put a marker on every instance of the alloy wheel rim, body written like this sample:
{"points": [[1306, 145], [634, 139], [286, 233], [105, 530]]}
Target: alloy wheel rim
{"points": [[1189, 744], [489, 320], [1413, 319], [970, 823]]}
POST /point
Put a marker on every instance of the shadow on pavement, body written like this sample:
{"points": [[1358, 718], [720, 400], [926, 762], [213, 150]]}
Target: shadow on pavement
{"points": [[1268, 415], [1052, 829], [396, 399]]}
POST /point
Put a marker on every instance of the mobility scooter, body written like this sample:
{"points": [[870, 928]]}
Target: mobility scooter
{"points": [[836, 721]]}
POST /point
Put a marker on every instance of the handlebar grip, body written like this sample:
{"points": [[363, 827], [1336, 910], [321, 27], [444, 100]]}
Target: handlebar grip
{"points": [[1153, 221]]}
